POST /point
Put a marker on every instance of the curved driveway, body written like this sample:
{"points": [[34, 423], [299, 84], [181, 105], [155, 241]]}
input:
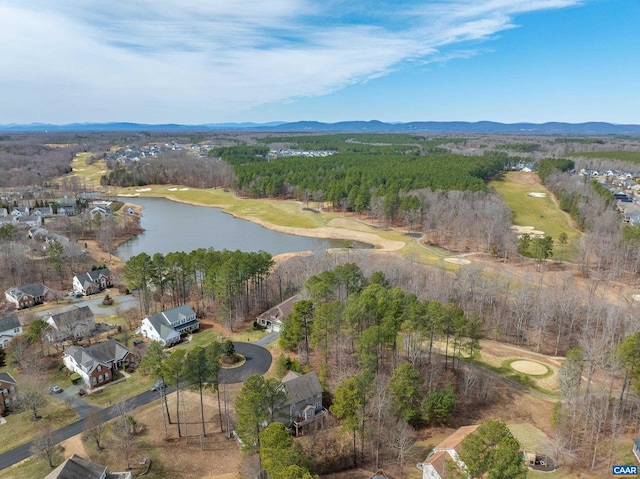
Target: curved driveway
{"points": [[258, 362]]}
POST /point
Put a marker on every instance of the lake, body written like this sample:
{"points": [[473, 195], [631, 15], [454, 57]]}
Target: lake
{"points": [[171, 226]]}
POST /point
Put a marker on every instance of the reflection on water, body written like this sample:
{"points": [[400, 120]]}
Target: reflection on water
{"points": [[171, 226]]}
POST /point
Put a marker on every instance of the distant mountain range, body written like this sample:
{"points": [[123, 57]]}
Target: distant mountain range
{"points": [[551, 128]]}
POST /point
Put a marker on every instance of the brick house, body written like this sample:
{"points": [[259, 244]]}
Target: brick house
{"points": [[9, 390]]}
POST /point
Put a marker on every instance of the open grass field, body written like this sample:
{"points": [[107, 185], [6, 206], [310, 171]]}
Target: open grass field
{"points": [[89, 173], [630, 156], [540, 212]]}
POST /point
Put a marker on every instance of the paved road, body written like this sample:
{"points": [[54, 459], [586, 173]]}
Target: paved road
{"points": [[258, 362], [20, 453], [70, 396]]}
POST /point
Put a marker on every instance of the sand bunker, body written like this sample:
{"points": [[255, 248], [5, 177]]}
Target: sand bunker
{"points": [[142, 190], [520, 230], [129, 195], [172, 189], [537, 195], [457, 261], [529, 367], [184, 189]]}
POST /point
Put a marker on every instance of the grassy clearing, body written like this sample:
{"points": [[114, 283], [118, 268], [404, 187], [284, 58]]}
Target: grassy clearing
{"points": [[541, 213], [22, 429], [507, 364], [520, 378], [136, 384], [28, 469], [89, 173]]}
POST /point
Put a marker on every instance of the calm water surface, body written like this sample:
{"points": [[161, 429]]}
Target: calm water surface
{"points": [[171, 226]]}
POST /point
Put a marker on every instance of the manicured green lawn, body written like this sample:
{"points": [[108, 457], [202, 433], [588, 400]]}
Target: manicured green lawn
{"points": [[136, 384], [22, 429], [541, 213]]}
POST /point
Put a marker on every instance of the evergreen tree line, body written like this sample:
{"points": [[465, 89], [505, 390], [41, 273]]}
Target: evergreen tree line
{"points": [[234, 282], [349, 180]]}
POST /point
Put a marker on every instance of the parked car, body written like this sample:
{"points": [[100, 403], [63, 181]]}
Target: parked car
{"points": [[56, 389], [137, 342], [158, 385]]}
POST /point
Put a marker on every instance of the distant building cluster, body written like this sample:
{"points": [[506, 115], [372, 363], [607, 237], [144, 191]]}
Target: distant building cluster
{"points": [[129, 154], [287, 153]]}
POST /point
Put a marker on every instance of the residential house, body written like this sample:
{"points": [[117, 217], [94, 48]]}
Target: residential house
{"points": [[3, 212], [17, 212], [92, 282], [8, 387], [66, 210], [304, 394], [44, 211], [167, 326], [273, 318], [72, 322], [28, 295], [31, 221], [9, 327], [435, 466], [97, 363], [99, 211], [77, 468]]}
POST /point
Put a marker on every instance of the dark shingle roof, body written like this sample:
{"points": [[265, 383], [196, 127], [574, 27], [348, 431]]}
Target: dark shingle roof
{"points": [[7, 378], [71, 315], [108, 350], [8, 323], [77, 468], [301, 388]]}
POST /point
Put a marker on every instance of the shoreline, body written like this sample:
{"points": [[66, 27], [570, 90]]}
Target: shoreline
{"points": [[324, 232]]}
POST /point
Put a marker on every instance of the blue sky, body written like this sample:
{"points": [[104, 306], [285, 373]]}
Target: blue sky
{"points": [[196, 61]]}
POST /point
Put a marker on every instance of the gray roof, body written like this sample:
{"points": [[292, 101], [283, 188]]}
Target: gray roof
{"points": [[77, 468], [173, 315], [92, 276], [8, 323], [282, 310], [71, 315], [301, 388], [161, 325], [7, 378], [108, 350], [32, 289], [85, 360]]}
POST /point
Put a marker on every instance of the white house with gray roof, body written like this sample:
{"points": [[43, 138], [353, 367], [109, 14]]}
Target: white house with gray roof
{"points": [[9, 327], [92, 282], [97, 363], [167, 326]]}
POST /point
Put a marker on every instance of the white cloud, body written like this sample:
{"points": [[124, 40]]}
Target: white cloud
{"points": [[191, 61]]}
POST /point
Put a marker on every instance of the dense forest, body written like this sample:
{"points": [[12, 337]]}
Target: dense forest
{"points": [[232, 283], [350, 178]]}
